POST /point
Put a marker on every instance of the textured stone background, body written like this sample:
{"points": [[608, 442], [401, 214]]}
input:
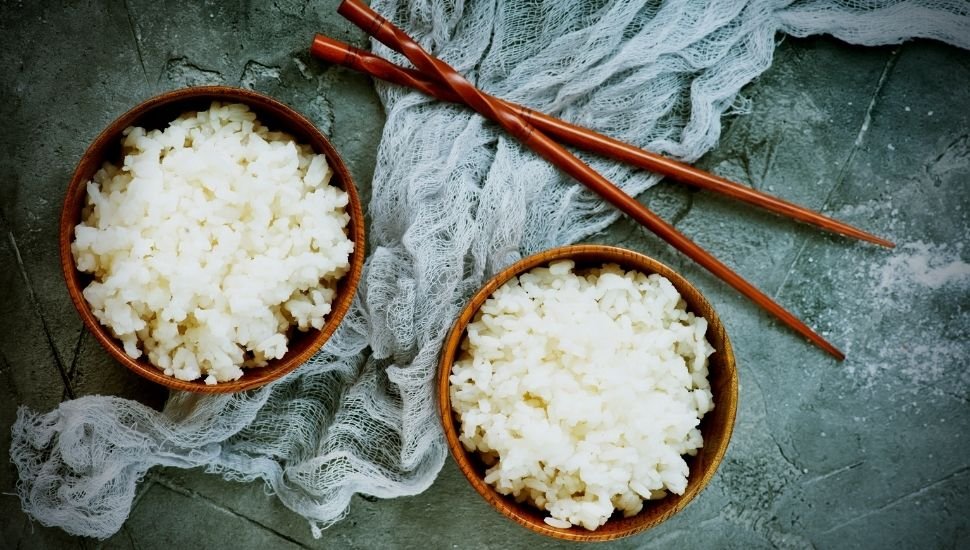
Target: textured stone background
{"points": [[865, 453]]}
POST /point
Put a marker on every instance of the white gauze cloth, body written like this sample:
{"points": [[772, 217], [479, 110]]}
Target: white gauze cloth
{"points": [[454, 200]]}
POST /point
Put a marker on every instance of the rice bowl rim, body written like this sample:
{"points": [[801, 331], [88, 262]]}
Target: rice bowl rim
{"points": [[164, 108], [716, 427]]}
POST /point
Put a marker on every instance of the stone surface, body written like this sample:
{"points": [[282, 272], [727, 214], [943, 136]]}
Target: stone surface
{"points": [[870, 452], [199, 523]]}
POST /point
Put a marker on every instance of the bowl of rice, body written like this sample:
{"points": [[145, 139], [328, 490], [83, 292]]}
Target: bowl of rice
{"points": [[588, 392], [211, 239]]}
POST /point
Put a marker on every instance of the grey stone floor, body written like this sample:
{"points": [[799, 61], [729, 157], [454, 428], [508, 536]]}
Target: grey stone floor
{"points": [[870, 452]]}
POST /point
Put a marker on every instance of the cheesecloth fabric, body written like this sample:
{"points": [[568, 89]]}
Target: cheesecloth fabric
{"points": [[454, 200]]}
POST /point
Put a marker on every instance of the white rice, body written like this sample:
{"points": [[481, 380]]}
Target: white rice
{"points": [[213, 238], [583, 391]]}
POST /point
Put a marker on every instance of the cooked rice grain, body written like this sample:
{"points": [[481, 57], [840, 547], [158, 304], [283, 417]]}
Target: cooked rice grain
{"points": [[583, 391], [211, 240]]}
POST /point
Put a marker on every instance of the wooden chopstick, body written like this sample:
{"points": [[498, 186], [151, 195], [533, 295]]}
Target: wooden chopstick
{"points": [[393, 37], [340, 53]]}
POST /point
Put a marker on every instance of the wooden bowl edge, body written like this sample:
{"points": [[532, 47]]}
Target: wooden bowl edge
{"points": [[294, 119], [461, 456]]}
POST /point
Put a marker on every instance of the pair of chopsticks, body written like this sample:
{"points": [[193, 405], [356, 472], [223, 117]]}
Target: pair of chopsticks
{"points": [[436, 78]]}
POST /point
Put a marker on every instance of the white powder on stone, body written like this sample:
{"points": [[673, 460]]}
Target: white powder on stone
{"points": [[928, 265], [912, 353]]}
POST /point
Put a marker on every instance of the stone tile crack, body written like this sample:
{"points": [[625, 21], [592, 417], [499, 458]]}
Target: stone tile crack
{"points": [[134, 37], [898, 499], [72, 370], [682, 213], [141, 492], [32, 296], [131, 539], [863, 130], [4, 370], [769, 431], [834, 472], [185, 491]]}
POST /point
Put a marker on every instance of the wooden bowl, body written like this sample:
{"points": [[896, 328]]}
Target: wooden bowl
{"points": [[157, 112], [716, 426]]}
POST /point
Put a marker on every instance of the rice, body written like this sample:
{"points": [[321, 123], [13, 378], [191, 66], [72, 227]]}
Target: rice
{"points": [[211, 240], [583, 391]]}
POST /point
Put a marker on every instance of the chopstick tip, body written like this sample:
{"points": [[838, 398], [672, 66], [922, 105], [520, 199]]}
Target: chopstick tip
{"points": [[819, 341], [882, 242], [868, 237], [832, 350]]}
